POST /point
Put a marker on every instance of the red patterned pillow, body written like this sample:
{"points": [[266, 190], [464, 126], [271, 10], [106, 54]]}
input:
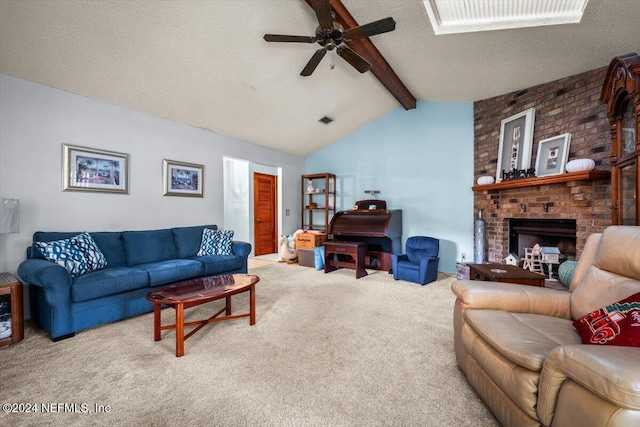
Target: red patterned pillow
{"points": [[615, 324]]}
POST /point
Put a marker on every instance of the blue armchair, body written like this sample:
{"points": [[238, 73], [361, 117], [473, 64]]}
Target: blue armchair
{"points": [[420, 263]]}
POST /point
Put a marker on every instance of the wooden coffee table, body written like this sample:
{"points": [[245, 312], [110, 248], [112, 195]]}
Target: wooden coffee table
{"points": [[505, 273], [194, 292]]}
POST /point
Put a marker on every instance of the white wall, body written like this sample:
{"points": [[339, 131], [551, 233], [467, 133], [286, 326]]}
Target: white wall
{"points": [[237, 213], [34, 122]]}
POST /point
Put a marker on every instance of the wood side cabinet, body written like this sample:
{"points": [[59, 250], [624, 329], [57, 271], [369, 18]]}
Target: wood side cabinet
{"points": [[11, 318]]}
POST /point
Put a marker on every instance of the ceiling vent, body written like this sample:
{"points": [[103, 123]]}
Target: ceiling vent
{"points": [[464, 16], [326, 120]]}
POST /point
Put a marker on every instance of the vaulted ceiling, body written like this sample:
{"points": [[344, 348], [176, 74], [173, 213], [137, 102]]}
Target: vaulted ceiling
{"points": [[205, 63]]}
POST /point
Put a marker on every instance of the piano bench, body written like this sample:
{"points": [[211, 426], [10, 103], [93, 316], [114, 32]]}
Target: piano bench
{"points": [[356, 250]]}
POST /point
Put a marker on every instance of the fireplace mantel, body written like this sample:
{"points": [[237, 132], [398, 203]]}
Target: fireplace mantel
{"points": [[591, 175]]}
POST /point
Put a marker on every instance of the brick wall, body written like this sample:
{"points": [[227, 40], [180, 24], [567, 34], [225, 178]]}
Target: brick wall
{"points": [[572, 105]]}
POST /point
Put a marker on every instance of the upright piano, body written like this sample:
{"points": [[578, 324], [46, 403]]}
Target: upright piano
{"points": [[369, 221]]}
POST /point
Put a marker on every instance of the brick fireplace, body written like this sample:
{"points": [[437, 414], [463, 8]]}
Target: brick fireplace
{"points": [[569, 105]]}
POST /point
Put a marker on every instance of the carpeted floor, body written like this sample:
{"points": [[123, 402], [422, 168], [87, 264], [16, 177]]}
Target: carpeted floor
{"points": [[327, 350]]}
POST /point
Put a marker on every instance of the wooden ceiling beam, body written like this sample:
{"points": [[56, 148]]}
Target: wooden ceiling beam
{"points": [[379, 66]]}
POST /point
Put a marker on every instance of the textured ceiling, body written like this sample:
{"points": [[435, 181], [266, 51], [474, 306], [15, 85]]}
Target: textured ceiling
{"points": [[205, 64]]}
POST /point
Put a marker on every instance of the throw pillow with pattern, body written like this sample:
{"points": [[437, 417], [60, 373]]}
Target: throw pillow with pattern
{"points": [[208, 242], [615, 324], [78, 254], [94, 256], [225, 242]]}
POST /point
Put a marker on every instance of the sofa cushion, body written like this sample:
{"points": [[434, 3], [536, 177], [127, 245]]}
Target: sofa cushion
{"points": [[172, 270], [108, 281], [216, 264], [143, 247], [187, 239], [614, 324], [78, 254], [110, 243], [613, 275], [525, 339]]}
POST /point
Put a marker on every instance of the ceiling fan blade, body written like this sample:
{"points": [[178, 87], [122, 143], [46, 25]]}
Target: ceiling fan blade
{"points": [[313, 62], [356, 61], [371, 29], [323, 12], [290, 39]]}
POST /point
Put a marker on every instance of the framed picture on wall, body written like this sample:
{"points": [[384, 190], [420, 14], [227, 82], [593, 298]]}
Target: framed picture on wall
{"points": [[516, 137], [552, 155], [183, 179], [91, 169]]}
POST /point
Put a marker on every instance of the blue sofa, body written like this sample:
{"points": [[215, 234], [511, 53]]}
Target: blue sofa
{"points": [[137, 263]]}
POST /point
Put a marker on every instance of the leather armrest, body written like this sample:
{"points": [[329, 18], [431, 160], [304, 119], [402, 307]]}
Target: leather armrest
{"points": [[513, 298], [610, 372]]}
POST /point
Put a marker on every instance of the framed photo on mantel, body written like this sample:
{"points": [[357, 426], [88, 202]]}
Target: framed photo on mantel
{"points": [[516, 137], [552, 155]]}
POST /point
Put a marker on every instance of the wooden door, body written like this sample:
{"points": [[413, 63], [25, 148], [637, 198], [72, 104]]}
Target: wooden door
{"points": [[264, 213]]}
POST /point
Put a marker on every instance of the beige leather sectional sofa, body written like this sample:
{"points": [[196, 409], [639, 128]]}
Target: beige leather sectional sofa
{"points": [[520, 352]]}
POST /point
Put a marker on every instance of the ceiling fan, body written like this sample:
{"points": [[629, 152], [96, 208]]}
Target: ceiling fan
{"points": [[330, 35]]}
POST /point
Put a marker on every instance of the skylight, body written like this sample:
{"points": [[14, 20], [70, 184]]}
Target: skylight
{"points": [[463, 16]]}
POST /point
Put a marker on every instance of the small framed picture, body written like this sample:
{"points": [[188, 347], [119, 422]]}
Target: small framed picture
{"points": [[90, 169], [552, 155], [516, 137], [183, 179]]}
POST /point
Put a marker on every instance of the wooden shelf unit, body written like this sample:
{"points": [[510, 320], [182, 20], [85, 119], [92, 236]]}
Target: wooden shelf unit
{"points": [[317, 218], [591, 175]]}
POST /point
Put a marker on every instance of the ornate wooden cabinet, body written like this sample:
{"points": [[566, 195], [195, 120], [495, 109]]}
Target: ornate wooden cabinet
{"points": [[621, 93]]}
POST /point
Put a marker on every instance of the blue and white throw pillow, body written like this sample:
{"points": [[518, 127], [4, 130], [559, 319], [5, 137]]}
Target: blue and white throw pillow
{"points": [[216, 242], [94, 256], [208, 243], [225, 242], [78, 254]]}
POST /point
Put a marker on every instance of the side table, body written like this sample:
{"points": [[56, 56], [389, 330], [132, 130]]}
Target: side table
{"points": [[11, 318]]}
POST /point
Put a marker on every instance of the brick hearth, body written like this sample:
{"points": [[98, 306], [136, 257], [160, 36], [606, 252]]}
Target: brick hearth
{"points": [[572, 105]]}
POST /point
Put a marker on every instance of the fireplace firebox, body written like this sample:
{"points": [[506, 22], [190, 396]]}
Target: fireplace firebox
{"points": [[560, 233]]}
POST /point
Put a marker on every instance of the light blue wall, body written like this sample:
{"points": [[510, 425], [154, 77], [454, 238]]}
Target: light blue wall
{"points": [[422, 162]]}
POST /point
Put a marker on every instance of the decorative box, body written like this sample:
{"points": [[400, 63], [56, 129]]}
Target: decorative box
{"points": [[310, 240]]}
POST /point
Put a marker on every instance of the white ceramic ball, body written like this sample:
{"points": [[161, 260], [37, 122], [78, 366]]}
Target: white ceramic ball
{"points": [[580, 165], [485, 180]]}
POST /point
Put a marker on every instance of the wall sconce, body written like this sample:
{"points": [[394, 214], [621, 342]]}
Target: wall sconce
{"points": [[374, 193], [9, 216], [523, 207]]}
